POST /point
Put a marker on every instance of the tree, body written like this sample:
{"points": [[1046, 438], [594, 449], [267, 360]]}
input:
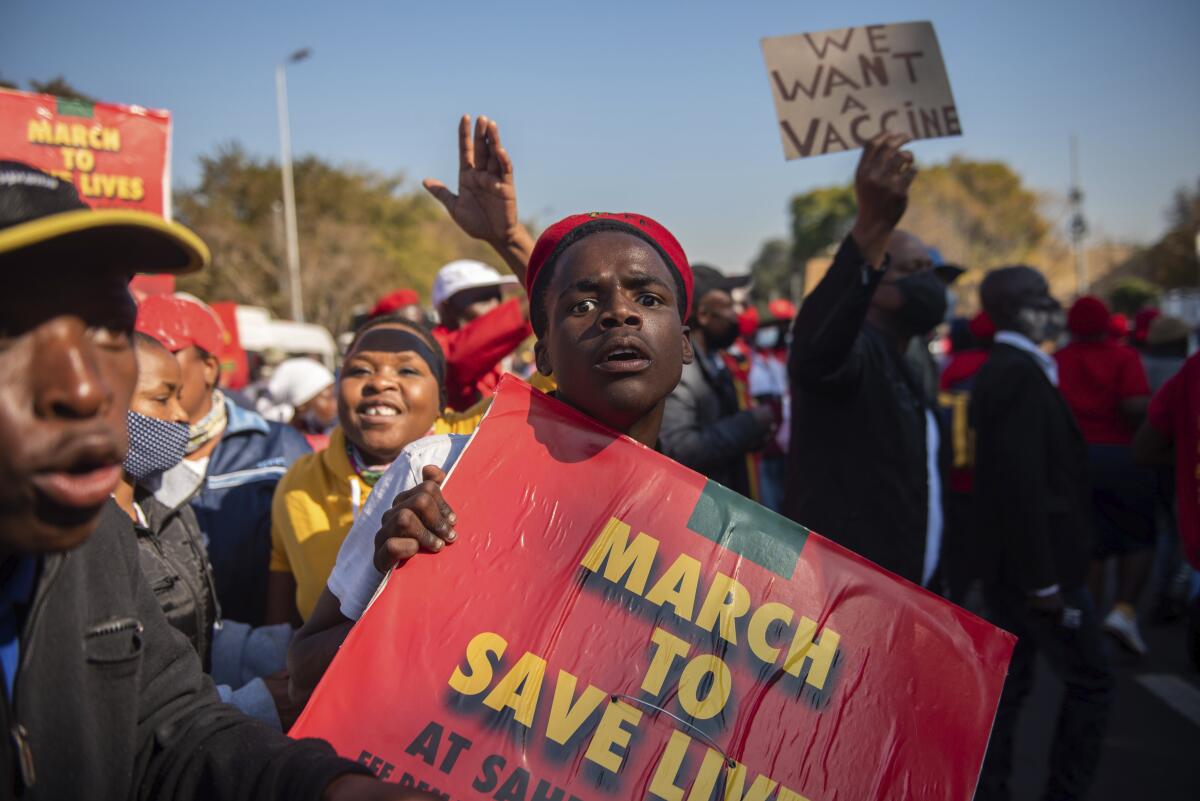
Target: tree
{"points": [[820, 218], [1172, 260], [1130, 295], [772, 270], [361, 235], [59, 87]]}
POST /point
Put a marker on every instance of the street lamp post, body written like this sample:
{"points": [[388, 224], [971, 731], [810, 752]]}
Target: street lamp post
{"points": [[289, 190]]}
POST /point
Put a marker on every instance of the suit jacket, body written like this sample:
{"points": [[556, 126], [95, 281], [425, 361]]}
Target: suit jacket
{"points": [[857, 468], [1032, 498], [703, 429]]}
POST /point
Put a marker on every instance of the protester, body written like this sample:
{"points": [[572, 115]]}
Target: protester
{"points": [[1102, 380], [1033, 506], [766, 347], [302, 389], [709, 424], [1171, 434], [172, 554], [389, 395], [960, 560], [1141, 324], [235, 458], [1164, 350], [104, 699], [864, 446]]}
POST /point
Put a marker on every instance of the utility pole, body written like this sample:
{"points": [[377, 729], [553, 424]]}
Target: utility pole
{"points": [[1078, 224], [289, 189]]}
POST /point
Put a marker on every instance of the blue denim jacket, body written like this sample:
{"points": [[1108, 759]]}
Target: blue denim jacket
{"points": [[233, 506]]}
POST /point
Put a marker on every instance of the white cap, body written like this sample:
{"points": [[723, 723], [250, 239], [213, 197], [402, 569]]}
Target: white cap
{"points": [[465, 274], [297, 381]]}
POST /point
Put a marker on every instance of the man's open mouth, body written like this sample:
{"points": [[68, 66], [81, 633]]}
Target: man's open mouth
{"points": [[623, 356]]}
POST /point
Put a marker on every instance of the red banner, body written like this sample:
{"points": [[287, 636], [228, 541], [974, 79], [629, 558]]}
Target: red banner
{"points": [[610, 625]]}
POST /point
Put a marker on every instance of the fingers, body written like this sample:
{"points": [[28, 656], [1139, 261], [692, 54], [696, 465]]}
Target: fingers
{"points": [[480, 143], [466, 149], [440, 191], [419, 519]]}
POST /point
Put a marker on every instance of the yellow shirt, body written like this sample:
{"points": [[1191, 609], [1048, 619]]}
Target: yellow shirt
{"points": [[315, 505], [318, 498]]}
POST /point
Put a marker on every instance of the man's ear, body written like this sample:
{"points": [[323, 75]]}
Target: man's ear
{"points": [[689, 354], [212, 371], [541, 358]]}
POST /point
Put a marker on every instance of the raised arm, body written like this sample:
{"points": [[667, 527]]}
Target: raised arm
{"points": [[830, 319], [486, 204]]}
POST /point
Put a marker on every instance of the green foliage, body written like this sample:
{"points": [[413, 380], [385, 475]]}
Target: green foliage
{"points": [[1130, 295], [58, 86], [772, 270], [1172, 261], [820, 218], [361, 235]]}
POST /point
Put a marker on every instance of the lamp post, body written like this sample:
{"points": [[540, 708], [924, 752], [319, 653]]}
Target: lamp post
{"points": [[1078, 224], [289, 191]]}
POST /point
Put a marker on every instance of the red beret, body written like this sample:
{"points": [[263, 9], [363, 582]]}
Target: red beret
{"points": [[1118, 325], [179, 323], [782, 309], [748, 322], [393, 301], [1141, 323], [1088, 317], [566, 232], [982, 327]]}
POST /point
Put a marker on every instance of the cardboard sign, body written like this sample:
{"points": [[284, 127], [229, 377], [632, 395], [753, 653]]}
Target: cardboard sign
{"points": [[611, 625], [835, 90], [117, 156]]}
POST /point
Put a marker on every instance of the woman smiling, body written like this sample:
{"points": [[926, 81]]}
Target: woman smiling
{"points": [[390, 393]]}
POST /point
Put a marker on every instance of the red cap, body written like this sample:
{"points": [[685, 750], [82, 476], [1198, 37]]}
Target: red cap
{"points": [[982, 327], [393, 301], [179, 323], [748, 322], [782, 309], [1141, 323], [566, 232], [1088, 317], [1118, 325]]}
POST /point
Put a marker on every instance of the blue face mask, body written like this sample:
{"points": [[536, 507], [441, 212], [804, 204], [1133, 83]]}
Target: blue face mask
{"points": [[155, 446]]}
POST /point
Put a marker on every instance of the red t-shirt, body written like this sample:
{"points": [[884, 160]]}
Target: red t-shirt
{"points": [[474, 352], [1175, 413], [1094, 377]]}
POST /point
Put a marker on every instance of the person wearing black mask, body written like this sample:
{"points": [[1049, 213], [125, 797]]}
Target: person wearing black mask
{"points": [[863, 458], [708, 423]]}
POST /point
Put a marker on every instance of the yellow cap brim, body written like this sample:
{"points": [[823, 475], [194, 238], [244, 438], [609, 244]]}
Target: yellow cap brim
{"points": [[116, 239]]}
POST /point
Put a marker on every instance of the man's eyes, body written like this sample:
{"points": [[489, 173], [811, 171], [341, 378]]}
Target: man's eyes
{"points": [[650, 300], [583, 306]]}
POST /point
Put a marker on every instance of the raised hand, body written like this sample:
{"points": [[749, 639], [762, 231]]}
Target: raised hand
{"points": [[419, 519], [881, 184], [486, 204]]}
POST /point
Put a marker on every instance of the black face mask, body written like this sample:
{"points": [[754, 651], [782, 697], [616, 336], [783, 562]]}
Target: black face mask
{"points": [[924, 302]]}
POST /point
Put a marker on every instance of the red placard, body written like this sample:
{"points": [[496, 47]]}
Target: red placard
{"points": [[117, 156], [610, 625]]}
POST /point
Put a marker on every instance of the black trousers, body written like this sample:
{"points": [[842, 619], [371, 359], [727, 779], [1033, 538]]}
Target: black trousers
{"points": [[1074, 647]]}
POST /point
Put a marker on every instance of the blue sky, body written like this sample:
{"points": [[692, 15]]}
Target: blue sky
{"points": [[656, 106]]}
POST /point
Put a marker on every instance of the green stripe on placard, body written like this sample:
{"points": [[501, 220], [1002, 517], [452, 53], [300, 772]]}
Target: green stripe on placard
{"points": [[738, 524], [68, 107]]}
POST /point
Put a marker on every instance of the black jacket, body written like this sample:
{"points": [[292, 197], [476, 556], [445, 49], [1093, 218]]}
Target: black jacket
{"points": [[1032, 498], [703, 428], [173, 560], [857, 469], [111, 702]]}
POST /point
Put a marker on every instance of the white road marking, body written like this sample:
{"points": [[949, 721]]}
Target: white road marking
{"points": [[1180, 695]]}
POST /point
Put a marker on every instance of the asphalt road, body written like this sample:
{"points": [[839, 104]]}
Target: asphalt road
{"points": [[1152, 749]]}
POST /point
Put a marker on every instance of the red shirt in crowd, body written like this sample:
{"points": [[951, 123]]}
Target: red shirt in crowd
{"points": [[1175, 413], [1094, 377], [474, 352]]}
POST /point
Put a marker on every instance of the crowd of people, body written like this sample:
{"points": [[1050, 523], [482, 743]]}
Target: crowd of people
{"points": [[215, 547]]}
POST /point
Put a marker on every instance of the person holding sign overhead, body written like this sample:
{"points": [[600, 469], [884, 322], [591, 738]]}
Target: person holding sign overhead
{"points": [[865, 438]]}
